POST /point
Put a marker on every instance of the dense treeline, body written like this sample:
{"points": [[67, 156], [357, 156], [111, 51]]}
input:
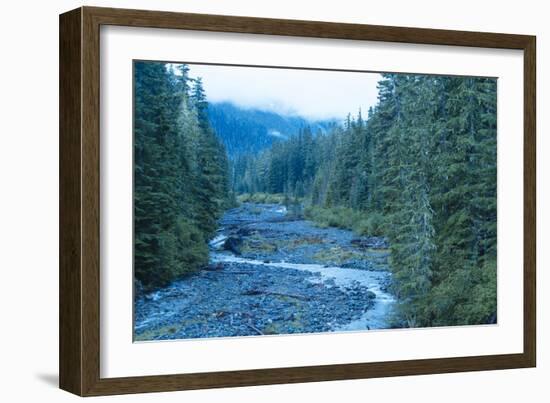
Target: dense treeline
{"points": [[420, 170], [180, 174]]}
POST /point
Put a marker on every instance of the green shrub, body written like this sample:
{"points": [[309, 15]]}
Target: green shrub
{"points": [[177, 251], [261, 198], [346, 218], [363, 227], [371, 225]]}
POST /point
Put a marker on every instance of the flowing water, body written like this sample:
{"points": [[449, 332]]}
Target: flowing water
{"points": [[272, 274], [374, 318]]}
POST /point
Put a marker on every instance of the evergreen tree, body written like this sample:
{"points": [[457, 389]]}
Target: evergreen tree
{"points": [[180, 175]]}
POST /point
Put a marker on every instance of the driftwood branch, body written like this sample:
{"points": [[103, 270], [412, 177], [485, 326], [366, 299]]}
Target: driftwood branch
{"points": [[250, 325], [279, 294]]}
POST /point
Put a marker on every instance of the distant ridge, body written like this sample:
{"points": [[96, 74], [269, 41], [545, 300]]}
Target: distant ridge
{"points": [[252, 130]]}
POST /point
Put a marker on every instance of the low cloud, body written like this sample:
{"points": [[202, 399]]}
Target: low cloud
{"points": [[312, 94]]}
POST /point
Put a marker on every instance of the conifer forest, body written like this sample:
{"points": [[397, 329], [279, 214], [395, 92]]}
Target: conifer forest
{"points": [[256, 221]]}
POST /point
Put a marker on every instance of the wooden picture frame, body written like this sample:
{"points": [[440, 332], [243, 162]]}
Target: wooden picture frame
{"points": [[79, 280]]}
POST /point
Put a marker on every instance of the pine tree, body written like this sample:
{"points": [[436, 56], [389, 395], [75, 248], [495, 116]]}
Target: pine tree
{"points": [[175, 154]]}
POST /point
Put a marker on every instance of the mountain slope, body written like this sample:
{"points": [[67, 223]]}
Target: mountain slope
{"points": [[251, 130]]}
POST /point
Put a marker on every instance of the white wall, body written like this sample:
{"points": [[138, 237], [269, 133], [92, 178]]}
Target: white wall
{"points": [[29, 198]]}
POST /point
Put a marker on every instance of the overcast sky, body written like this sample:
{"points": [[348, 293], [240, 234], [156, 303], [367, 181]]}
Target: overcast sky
{"points": [[308, 93]]}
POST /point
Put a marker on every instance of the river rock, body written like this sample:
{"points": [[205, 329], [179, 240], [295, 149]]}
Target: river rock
{"points": [[233, 244], [214, 266], [238, 298], [245, 231]]}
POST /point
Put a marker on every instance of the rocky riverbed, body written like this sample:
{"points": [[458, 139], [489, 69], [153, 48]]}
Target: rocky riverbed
{"points": [[272, 274]]}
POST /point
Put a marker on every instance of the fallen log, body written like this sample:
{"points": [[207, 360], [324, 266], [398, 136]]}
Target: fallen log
{"points": [[278, 294]]}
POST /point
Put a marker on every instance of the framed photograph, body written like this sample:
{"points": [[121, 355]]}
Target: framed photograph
{"points": [[249, 201]]}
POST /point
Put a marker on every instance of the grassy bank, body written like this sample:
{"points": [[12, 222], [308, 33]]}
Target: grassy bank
{"points": [[360, 222], [346, 218], [262, 198]]}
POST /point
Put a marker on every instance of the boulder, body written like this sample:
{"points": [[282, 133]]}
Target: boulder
{"points": [[214, 266], [233, 244], [245, 231], [371, 295]]}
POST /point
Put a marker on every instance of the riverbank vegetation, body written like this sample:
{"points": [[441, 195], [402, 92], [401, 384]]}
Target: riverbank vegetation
{"points": [[420, 170], [264, 198]]}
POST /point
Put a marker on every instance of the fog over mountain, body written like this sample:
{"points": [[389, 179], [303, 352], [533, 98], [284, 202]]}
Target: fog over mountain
{"points": [[311, 94], [249, 130]]}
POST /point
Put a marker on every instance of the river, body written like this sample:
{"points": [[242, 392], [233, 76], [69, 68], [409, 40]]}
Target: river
{"points": [[271, 274]]}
